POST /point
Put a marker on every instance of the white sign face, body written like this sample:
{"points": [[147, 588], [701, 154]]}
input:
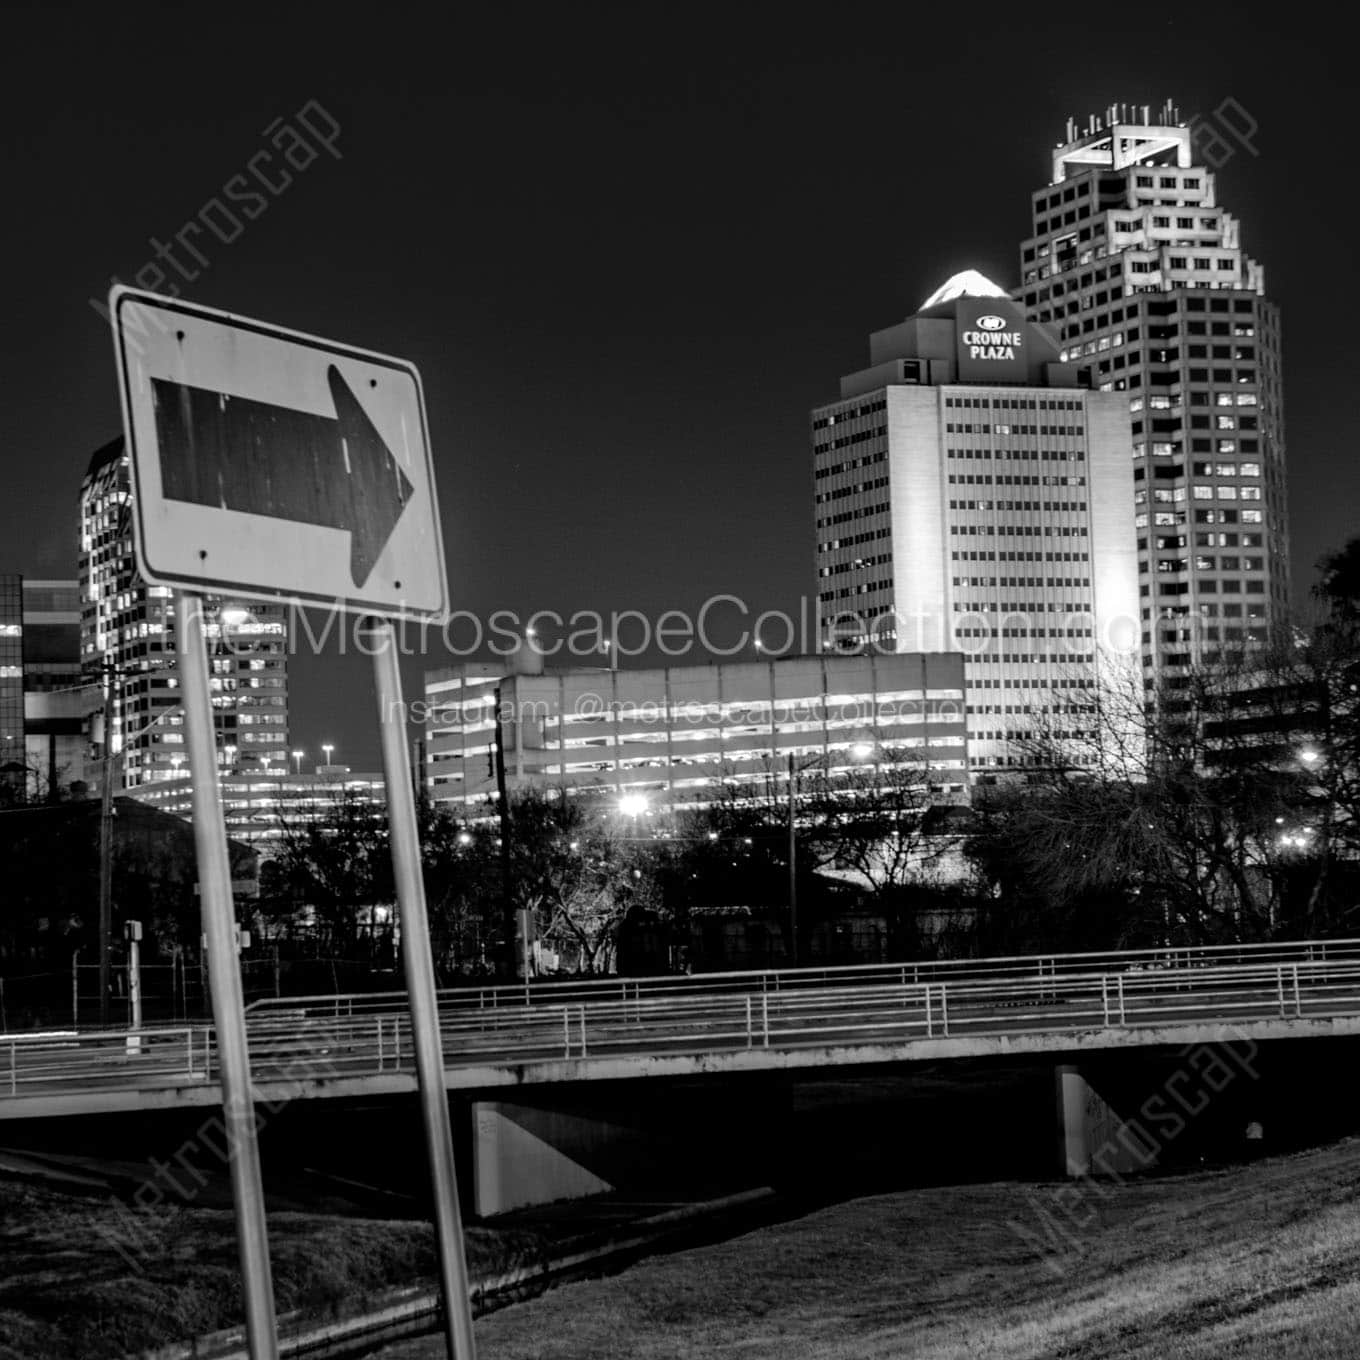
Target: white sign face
{"points": [[268, 464]]}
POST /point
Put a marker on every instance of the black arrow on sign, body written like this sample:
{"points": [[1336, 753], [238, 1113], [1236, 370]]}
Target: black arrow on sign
{"points": [[290, 465]]}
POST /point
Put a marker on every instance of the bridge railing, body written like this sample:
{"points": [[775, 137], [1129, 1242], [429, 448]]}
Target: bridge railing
{"points": [[286, 1049], [585, 990]]}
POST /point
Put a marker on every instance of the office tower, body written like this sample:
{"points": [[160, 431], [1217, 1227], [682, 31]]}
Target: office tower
{"points": [[128, 647], [1140, 272], [972, 494]]}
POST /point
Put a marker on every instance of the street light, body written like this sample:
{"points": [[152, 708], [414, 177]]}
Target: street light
{"points": [[633, 804], [328, 747], [297, 761]]}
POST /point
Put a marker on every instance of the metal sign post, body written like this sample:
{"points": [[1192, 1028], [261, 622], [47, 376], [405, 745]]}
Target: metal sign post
{"points": [[419, 964], [271, 465], [229, 1022]]}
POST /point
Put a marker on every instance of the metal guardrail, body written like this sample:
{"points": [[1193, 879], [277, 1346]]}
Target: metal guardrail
{"points": [[582, 990], [286, 1047]]}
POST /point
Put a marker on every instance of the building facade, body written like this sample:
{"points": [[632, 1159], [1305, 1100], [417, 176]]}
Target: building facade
{"points": [[44, 703], [128, 648], [11, 680], [59, 704], [1141, 273], [677, 737], [972, 495], [262, 809]]}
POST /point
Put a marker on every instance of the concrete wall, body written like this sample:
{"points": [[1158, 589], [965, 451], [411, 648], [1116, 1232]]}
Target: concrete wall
{"points": [[572, 1143], [1093, 1139]]}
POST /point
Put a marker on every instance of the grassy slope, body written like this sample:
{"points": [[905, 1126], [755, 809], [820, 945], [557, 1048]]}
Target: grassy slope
{"points": [[1257, 1262], [67, 1291]]}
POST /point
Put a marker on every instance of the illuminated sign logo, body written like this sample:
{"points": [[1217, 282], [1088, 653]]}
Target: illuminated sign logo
{"points": [[990, 340]]}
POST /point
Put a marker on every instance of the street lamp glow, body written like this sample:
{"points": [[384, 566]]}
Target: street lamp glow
{"points": [[633, 804], [297, 761], [862, 750], [1309, 756], [328, 747], [465, 838], [233, 615]]}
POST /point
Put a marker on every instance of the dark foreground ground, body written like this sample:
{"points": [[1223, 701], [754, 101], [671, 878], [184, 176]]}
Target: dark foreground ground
{"points": [[1260, 1261]]}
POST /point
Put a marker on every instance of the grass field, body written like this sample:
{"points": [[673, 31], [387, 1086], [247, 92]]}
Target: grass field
{"points": [[1261, 1262], [85, 1278]]}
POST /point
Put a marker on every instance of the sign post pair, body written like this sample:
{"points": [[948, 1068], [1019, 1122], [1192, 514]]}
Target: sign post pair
{"points": [[268, 465]]}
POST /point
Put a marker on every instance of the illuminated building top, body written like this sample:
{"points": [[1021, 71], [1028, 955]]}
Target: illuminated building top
{"points": [[969, 283]]}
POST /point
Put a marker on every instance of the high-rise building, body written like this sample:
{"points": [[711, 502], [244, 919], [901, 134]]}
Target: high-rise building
{"points": [[1140, 272], [972, 495], [128, 647]]}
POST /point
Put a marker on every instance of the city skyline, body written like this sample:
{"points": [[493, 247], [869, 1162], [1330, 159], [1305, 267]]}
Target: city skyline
{"points": [[665, 281]]}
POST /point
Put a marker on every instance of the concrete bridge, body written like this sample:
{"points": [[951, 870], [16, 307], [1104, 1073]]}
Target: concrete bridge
{"points": [[512, 1051]]}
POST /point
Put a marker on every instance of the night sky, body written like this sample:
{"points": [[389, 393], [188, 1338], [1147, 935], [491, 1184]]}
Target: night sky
{"points": [[628, 252]]}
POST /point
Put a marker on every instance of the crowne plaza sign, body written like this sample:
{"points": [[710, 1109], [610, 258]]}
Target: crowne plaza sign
{"points": [[991, 340]]}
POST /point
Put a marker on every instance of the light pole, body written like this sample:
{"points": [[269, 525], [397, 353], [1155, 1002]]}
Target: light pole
{"points": [[327, 748], [297, 761]]}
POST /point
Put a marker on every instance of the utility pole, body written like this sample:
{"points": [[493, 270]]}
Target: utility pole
{"points": [[106, 852], [793, 860]]}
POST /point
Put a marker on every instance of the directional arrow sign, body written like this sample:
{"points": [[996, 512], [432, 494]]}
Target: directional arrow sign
{"points": [[268, 464]]}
